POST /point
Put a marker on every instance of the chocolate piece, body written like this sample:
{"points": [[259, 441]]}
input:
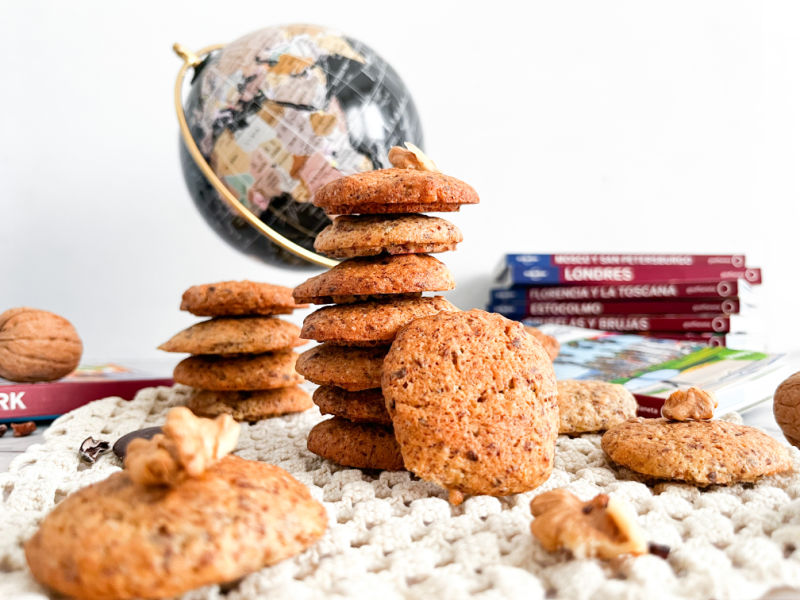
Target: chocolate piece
{"points": [[121, 445], [91, 449], [23, 429], [659, 550]]}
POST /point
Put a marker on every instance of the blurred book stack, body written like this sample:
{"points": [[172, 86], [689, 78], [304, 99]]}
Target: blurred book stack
{"points": [[704, 298]]}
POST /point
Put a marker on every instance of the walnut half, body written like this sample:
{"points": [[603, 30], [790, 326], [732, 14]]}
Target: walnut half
{"points": [[411, 157], [693, 404], [604, 527], [187, 448]]}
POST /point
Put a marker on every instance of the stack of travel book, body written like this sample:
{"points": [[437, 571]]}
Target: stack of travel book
{"points": [[704, 298]]}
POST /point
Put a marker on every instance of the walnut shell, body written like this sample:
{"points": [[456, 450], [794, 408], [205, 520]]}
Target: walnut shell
{"points": [[37, 345], [786, 406]]}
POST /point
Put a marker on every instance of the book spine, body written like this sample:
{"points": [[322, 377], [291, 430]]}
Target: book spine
{"points": [[32, 401], [599, 259], [645, 291], [636, 323], [675, 307], [583, 275], [701, 337]]}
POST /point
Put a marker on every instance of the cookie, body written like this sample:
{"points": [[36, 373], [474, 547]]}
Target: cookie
{"points": [[585, 406], [366, 406], [248, 372], [698, 452], [368, 235], [360, 277], [551, 344], [249, 405], [157, 542], [394, 191], [360, 445], [473, 400], [227, 335], [232, 298], [368, 323], [353, 369]]}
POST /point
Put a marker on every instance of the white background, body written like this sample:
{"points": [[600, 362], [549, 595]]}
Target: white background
{"points": [[584, 126]]}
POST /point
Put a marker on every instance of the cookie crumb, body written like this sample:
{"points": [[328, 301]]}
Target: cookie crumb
{"points": [[455, 497]]}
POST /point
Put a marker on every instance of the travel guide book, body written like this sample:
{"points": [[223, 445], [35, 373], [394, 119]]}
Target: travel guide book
{"points": [[652, 368], [47, 400], [588, 269]]}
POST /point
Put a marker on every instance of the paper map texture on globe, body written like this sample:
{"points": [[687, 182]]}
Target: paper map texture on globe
{"points": [[281, 112]]}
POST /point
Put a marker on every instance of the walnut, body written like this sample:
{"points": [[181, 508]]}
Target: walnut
{"points": [[693, 404], [411, 157], [36, 345], [604, 527], [786, 406], [188, 446]]}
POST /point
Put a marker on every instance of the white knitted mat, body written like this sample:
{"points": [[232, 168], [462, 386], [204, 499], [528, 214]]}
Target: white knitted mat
{"points": [[393, 536]]}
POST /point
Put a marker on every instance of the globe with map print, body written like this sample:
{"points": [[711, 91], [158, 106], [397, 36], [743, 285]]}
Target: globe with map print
{"points": [[279, 113]]}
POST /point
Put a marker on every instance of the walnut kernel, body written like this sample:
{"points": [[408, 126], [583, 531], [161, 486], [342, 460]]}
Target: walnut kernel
{"points": [[605, 527], [693, 404], [188, 446], [411, 157]]}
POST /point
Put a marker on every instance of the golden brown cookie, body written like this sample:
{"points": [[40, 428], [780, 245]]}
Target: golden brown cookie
{"points": [[360, 445], [585, 406], [473, 401], [247, 372], [353, 369], [249, 405], [361, 277], [394, 191], [229, 335], [698, 452], [366, 406], [369, 235], [233, 298], [156, 542], [550, 343], [368, 323]]}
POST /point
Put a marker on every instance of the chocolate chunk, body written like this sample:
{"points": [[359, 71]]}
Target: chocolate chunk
{"points": [[23, 429], [659, 550], [91, 449], [121, 445]]}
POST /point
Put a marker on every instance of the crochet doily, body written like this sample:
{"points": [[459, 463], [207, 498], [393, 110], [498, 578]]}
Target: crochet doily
{"points": [[394, 536]]}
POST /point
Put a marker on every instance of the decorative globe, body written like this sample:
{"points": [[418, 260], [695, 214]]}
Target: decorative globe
{"points": [[281, 112]]}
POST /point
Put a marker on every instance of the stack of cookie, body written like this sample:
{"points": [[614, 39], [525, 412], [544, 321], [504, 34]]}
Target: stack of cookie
{"points": [[376, 291], [242, 362]]}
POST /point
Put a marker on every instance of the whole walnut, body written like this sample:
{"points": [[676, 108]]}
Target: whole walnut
{"points": [[37, 345], [786, 406]]}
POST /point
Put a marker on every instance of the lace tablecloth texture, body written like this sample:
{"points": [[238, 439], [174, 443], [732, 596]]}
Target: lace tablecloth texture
{"points": [[394, 536]]}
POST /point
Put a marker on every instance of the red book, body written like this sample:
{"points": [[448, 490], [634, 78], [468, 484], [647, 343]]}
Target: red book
{"points": [[47, 400], [642, 291], [595, 258], [583, 275], [676, 307], [637, 323]]}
